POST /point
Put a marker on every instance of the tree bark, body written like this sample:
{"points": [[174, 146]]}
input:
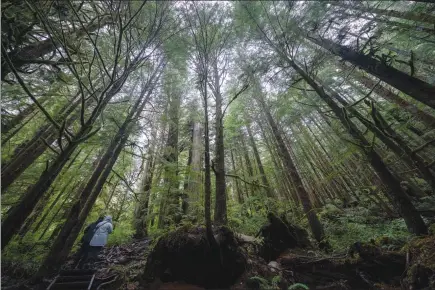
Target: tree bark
{"points": [[314, 222], [81, 208], [408, 15], [9, 125], [27, 152], [414, 87], [268, 190], [194, 176], [383, 92], [17, 216], [220, 212], [406, 209], [169, 209]]}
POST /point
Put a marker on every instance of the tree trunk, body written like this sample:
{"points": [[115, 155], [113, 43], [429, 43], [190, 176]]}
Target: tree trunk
{"points": [[17, 216], [9, 125], [194, 178], [81, 208], [27, 152], [406, 209], [408, 15], [397, 145], [383, 92], [141, 211], [269, 191], [414, 87], [235, 180], [13, 133], [313, 220], [169, 208], [220, 212]]}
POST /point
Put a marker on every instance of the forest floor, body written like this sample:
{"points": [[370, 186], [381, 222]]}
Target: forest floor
{"points": [[380, 264]]}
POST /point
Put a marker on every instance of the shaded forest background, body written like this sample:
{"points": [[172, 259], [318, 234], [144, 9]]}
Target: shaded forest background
{"points": [[165, 114]]}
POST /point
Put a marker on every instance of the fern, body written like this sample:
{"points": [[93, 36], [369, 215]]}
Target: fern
{"points": [[298, 286]]}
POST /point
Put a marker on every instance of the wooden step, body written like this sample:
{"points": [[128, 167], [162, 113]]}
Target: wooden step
{"points": [[72, 281], [76, 272], [70, 285], [62, 279]]}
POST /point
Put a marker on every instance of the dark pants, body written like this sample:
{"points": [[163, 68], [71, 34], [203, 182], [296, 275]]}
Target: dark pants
{"points": [[88, 254]]}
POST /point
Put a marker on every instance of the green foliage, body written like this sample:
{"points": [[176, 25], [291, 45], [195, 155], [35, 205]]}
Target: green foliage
{"points": [[298, 286], [260, 281], [345, 227], [122, 233]]}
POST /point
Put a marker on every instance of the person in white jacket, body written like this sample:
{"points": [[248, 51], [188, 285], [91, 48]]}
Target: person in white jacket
{"points": [[99, 239], [103, 229]]}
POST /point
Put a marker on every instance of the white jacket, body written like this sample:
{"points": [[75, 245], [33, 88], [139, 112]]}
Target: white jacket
{"points": [[104, 228]]}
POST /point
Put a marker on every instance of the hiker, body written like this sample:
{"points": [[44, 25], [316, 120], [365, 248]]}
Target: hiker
{"points": [[96, 238], [86, 239]]}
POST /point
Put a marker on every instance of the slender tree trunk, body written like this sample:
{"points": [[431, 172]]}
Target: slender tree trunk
{"points": [[408, 15], [414, 87], [235, 180], [9, 125], [400, 148], [17, 216], [269, 191], [141, 211], [13, 133], [194, 181], [383, 92], [220, 212], [313, 220], [27, 152], [207, 176], [169, 208], [53, 218], [248, 163], [402, 203], [81, 208]]}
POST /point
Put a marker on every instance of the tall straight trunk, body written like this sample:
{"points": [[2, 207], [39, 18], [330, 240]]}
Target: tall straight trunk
{"points": [[269, 191], [314, 222], [406, 209], [249, 167], [408, 15], [81, 208], [17, 216], [169, 208], [220, 212], [385, 93], [185, 194], [235, 180], [288, 192], [414, 87], [194, 176], [207, 174], [141, 211]]}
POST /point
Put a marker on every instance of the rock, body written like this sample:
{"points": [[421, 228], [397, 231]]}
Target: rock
{"points": [[274, 266], [278, 235], [185, 255]]}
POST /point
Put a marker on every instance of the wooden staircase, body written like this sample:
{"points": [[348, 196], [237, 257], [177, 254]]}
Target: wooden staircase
{"points": [[73, 279]]}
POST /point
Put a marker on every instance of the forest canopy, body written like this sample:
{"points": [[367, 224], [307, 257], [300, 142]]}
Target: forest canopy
{"points": [[170, 114]]}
